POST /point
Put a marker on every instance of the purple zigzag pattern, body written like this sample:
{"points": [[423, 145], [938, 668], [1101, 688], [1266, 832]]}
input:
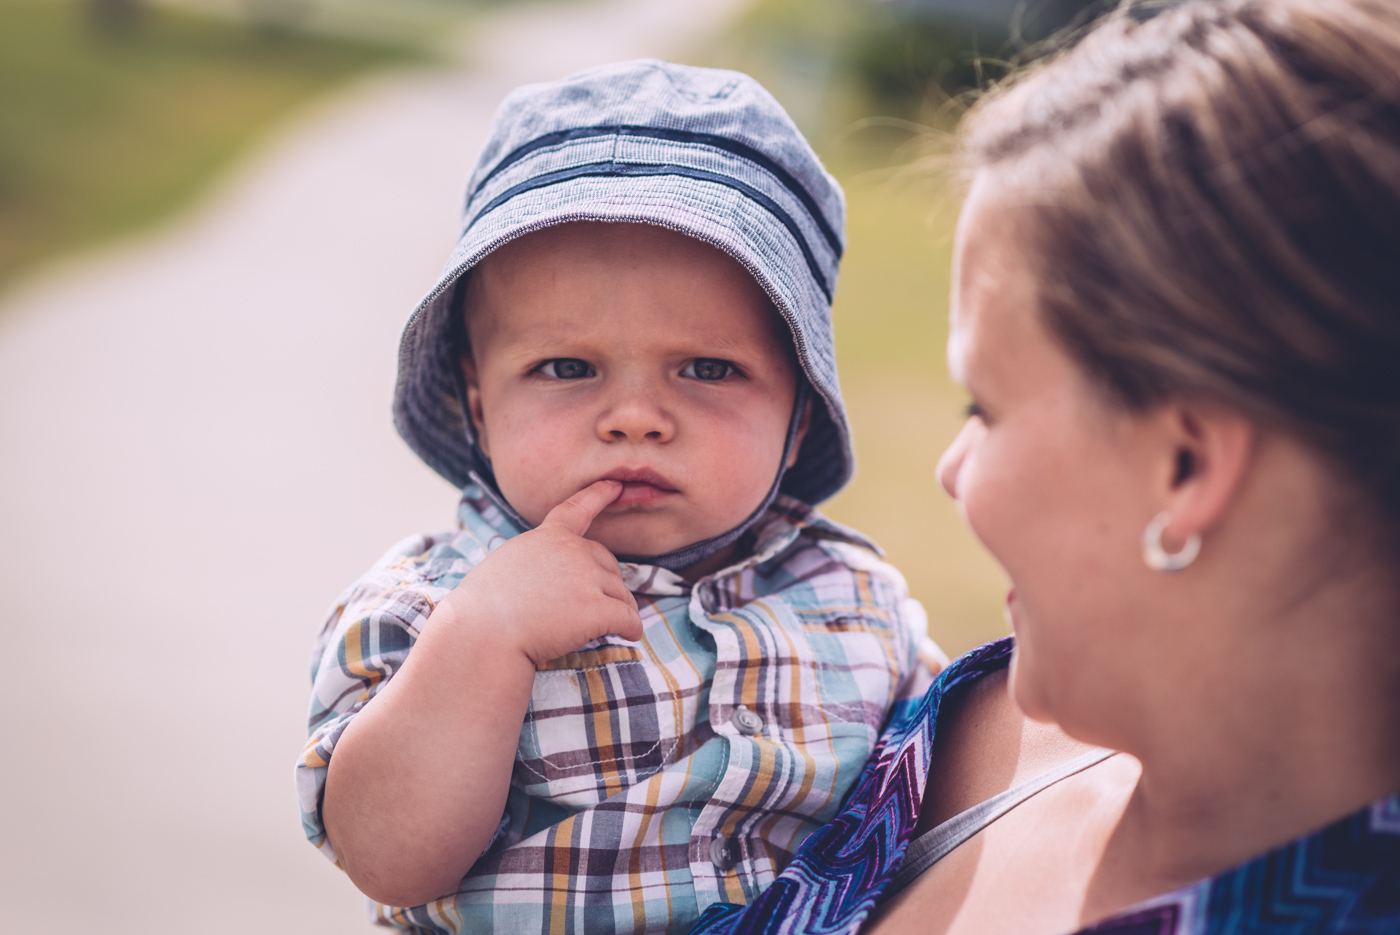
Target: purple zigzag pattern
{"points": [[1342, 880], [1158, 920], [841, 870], [1385, 815]]}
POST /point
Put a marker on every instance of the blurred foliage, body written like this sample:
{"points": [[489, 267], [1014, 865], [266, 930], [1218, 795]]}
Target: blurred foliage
{"points": [[113, 14], [106, 130], [913, 58], [891, 314], [418, 23], [871, 83], [833, 62]]}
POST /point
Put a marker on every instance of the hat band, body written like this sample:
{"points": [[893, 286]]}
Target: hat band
{"points": [[615, 169], [711, 140]]}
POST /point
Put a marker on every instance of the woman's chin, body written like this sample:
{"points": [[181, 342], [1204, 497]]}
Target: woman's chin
{"points": [[1023, 694]]}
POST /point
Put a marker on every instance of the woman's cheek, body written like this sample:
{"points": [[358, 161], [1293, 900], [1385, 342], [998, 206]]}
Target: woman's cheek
{"points": [[983, 498]]}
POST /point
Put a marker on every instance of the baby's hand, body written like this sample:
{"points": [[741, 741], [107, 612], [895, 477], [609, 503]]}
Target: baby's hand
{"points": [[548, 591]]}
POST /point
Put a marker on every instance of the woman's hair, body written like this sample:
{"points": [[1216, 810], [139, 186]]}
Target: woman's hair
{"points": [[1211, 189]]}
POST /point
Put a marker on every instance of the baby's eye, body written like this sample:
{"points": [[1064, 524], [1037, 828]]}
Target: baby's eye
{"points": [[566, 368], [974, 411], [708, 368]]}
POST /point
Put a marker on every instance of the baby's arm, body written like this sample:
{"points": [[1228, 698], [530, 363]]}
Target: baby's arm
{"points": [[419, 779]]}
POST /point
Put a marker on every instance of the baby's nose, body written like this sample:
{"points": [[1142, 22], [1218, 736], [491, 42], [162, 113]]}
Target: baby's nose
{"points": [[636, 416]]}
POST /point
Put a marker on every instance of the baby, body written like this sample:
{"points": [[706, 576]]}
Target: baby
{"points": [[642, 668]]}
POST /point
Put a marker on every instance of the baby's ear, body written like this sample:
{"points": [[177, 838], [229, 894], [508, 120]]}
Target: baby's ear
{"points": [[474, 401], [802, 428]]}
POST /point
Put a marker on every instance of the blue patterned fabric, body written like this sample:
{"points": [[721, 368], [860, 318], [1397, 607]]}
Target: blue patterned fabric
{"points": [[1342, 880]]}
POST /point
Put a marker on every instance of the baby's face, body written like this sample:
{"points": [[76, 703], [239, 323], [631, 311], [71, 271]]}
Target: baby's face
{"points": [[629, 352]]}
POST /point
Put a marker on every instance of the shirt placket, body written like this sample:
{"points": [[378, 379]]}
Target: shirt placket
{"points": [[722, 863]]}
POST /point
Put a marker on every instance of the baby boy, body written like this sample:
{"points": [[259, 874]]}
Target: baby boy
{"points": [[642, 668]]}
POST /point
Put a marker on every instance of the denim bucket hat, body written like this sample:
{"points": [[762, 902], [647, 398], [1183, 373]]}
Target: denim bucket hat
{"points": [[705, 152]]}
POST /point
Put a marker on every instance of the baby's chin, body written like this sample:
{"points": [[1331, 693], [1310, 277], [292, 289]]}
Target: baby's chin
{"points": [[638, 536]]}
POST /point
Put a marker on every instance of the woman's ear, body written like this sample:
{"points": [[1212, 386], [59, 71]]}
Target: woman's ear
{"points": [[802, 427], [1210, 451], [474, 402]]}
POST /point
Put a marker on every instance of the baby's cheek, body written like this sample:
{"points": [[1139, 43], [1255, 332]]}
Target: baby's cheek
{"points": [[531, 457], [745, 476], [530, 484]]}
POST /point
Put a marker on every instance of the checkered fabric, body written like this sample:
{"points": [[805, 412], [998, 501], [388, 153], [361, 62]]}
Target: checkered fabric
{"points": [[653, 779]]}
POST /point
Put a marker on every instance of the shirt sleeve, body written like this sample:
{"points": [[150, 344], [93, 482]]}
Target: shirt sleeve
{"points": [[363, 643], [915, 659], [928, 657]]}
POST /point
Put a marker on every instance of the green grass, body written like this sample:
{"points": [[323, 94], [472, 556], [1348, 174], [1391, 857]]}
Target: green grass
{"points": [[103, 133], [891, 326], [891, 304]]}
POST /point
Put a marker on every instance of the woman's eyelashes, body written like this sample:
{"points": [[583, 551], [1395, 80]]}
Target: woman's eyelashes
{"points": [[566, 368], [708, 368]]}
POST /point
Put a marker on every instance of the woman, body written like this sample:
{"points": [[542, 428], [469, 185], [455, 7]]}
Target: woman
{"points": [[1177, 311]]}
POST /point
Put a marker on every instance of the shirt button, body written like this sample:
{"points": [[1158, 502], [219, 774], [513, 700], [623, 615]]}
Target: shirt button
{"points": [[746, 721], [721, 854]]}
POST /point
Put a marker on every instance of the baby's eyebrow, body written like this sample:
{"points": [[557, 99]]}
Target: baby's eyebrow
{"points": [[564, 344], [719, 345]]}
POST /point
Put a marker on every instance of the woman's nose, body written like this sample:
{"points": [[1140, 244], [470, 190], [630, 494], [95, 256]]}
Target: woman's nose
{"points": [[635, 414], [951, 464]]}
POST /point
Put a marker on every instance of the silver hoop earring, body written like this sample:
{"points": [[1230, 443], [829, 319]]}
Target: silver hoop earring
{"points": [[1158, 558]]}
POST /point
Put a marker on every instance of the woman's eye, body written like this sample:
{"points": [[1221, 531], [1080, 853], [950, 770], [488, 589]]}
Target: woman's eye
{"points": [[566, 368], [708, 368]]}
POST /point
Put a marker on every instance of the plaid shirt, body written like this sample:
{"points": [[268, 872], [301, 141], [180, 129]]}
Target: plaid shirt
{"points": [[652, 779]]}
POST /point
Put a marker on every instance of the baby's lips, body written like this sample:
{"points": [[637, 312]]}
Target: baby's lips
{"points": [[642, 475], [635, 493]]}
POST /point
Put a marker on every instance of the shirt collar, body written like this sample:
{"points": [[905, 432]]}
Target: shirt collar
{"points": [[784, 521]]}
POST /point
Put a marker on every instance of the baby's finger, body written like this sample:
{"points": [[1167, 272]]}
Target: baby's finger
{"points": [[615, 589], [576, 513], [605, 559], [628, 623]]}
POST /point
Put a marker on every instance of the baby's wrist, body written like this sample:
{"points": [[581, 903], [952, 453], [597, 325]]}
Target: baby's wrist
{"points": [[482, 635]]}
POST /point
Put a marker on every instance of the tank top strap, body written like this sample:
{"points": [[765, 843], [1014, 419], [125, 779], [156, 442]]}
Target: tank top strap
{"points": [[936, 843]]}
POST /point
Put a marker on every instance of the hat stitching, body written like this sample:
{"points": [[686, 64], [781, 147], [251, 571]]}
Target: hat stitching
{"points": [[613, 169], [733, 147], [690, 95]]}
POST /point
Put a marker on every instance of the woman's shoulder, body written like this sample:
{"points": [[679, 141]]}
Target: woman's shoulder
{"points": [[985, 746]]}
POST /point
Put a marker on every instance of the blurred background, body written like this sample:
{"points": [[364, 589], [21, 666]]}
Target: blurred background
{"points": [[214, 217]]}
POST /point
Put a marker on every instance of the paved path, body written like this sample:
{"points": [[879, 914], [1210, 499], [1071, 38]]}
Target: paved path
{"points": [[195, 457]]}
